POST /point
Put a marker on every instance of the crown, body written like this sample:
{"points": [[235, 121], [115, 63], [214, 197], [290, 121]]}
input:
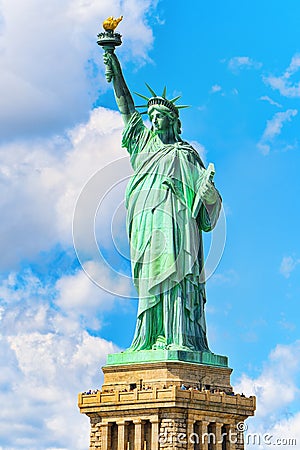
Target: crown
{"points": [[160, 100]]}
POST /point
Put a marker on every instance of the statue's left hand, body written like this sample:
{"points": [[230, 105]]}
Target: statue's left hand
{"points": [[208, 192]]}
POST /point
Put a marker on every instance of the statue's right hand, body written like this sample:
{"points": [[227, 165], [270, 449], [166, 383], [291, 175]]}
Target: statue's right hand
{"points": [[112, 65]]}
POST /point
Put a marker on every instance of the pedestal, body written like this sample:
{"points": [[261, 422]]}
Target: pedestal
{"points": [[166, 405]]}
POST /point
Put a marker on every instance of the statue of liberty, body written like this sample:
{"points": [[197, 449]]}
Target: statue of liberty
{"points": [[170, 200]]}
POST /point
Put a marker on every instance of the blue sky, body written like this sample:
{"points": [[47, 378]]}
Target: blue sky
{"points": [[238, 65]]}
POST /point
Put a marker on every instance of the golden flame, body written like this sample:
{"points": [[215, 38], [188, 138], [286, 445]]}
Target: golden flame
{"points": [[111, 24]]}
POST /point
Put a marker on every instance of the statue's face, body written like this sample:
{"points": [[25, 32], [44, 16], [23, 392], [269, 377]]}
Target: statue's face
{"points": [[161, 122]]}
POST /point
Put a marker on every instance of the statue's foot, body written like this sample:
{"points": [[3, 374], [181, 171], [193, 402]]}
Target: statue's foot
{"points": [[128, 350], [178, 347], [160, 343]]}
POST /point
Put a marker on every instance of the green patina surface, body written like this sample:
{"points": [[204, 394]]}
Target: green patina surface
{"points": [[143, 356], [170, 199]]}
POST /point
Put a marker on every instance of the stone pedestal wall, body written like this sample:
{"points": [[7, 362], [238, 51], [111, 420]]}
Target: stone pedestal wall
{"points": [[156, 415], [166, 374]]}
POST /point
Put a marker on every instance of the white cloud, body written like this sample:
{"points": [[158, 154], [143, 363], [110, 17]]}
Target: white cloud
{"points": [[50, 80], [264, 148], [229, 277], [276, 389], [293, 67], [47, 357], [287, 432], [268, 99], [215, 88], [41, 181], [200, 149], [279, 374], [82, 296], [274, 126], [93, 145], [285, 324], [41, 403], [283, 83], [273, 129], [243, 62], [288, 265]]}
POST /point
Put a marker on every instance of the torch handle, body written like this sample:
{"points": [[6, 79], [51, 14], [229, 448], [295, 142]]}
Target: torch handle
{"points": [[108, 70]]}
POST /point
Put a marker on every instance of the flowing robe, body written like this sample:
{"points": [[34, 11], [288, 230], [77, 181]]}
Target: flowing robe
{"points": [[165, 218]]}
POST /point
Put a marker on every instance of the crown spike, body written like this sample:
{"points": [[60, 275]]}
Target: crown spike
{"points": [[151, 90], [142, 96], [175, 99], [162, 100]]}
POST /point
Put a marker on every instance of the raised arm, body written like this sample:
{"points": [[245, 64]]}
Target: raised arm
{"points": [[122, 94]]}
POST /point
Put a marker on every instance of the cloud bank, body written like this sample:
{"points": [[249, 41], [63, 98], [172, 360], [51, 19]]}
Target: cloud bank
{"points": [[51, 68], [277, 391], [49, 357]]}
